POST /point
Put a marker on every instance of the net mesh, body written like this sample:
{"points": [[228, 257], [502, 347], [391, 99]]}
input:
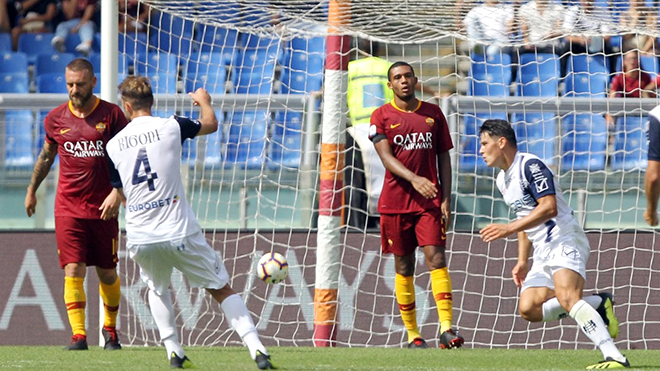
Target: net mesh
{"points": [[254, 184]]}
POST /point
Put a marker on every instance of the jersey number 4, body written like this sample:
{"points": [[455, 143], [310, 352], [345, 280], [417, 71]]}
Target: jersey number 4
{"points": [[143, 161]]}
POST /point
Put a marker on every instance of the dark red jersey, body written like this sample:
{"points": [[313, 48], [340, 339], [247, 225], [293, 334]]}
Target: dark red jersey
{"points": [[416, 139], [84, 178], [630, 87]]}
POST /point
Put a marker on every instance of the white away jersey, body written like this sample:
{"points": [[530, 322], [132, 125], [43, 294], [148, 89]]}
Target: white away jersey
{"points": [[527, 180], [147, 158]]}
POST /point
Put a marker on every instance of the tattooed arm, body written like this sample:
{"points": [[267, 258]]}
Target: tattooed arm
{"points": [[41, 169]]}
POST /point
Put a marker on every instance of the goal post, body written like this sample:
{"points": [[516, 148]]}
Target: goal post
{"points": [[273, 177]]}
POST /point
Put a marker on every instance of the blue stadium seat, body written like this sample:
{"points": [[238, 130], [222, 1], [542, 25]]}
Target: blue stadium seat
{"points": [[122, 63], [13, 63], [490, 76], [469, 158], [538, 75], [157, 62], [586, 85], [51, 83], [630, 144], [218, 40], [206, 70], [213, 144], [5, 43], [173, 24], [255, 66], [584, 142], [33, 44], [73, 40], [52, 63], [305, 55], [18, 138], [162, 82], [14, 83], [246, 139], [175, 44], [284, 149], [295, 82], [133, 45], [536, 133]]}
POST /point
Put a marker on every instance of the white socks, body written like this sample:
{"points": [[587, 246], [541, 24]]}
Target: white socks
{"points": [[553, 311], [593, 326], [163, 312], [240, 320]]}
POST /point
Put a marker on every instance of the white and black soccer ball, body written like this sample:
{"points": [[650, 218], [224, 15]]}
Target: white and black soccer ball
{"points": [[272, 268]]}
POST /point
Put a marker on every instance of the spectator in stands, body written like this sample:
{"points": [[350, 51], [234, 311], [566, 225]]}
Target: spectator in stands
{"points": [[638, 17], [133, 16], [652, 177], [629, 83], [490, 26], [78, 19], [581, 23], [33, 16], [5, 25], [540, 22]]}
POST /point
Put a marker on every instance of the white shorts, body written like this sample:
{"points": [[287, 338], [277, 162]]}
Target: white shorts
{"points": [[570, 252], [191, 255]]}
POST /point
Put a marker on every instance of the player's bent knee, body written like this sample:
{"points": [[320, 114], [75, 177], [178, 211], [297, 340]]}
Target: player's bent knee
{"points": [[530, 312]]}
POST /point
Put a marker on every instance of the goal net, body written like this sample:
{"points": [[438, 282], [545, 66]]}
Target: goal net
{"points": [[283, 174]]}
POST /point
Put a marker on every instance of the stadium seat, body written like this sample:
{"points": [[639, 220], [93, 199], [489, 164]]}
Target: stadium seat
{"points": [[52, 63], [180, 45], [218, 40], [33, 44], [133, 45], [285, 145], [296, 82], [538, 75], [305, 55], [14, 83], [586, 76], [584, 142], [162, 82], [206, 70], [16, 63], [490, 76], [51, 83], [246, 139], [535, 133], [213, 144], [469, 159], [122, 63], [630, 144], [18, 138], [255, 66], [157, 62], [73, 40], [258, 51], [5, 43], [172, 24]]}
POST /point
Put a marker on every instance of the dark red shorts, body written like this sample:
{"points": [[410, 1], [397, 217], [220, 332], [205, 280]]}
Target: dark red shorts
{"points": [[89, 241], [401, 234]]}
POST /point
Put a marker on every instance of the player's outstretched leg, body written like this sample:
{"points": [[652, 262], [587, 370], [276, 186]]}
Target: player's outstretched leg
{"points": [[450, 339], [240, 320], [606, 311]]}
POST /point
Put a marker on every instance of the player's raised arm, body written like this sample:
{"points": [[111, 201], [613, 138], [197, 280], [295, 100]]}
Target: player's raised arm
{"points": [[208, 120], [41, 170]]}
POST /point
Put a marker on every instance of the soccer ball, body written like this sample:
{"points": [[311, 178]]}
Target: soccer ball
{"points": [[272, 268]]}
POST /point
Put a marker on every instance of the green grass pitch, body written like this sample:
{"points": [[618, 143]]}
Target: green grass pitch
{"points": [[305, 358]]}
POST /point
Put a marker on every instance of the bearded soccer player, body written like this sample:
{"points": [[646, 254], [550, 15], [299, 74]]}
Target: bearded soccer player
{"points": [[552, 288], [413, 142], [78, 131]]}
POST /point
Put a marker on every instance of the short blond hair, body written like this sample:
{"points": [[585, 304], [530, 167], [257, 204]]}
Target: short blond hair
{"points": [[136, 90]]}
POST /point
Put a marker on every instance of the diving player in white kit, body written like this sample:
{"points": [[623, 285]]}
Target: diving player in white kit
{"points": [[161, 229], [552, 288]]}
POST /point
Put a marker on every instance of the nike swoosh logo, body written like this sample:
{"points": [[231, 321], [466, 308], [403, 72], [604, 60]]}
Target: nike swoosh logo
{"points": [[64, 131], [394, 126]]}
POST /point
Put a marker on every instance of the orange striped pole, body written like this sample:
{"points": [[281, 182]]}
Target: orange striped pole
{"points": [[331, 177]]}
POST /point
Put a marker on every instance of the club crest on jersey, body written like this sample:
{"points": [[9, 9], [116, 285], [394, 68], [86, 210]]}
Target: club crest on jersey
{"points": [[430, 121], [100, 127]]}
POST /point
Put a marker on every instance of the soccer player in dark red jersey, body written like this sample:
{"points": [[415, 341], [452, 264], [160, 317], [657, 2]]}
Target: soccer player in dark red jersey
{"points": [[86, 204], [412, 139]]}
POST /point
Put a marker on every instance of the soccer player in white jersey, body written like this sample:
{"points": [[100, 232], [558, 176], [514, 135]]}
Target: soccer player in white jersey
{"points": [[161, 229], [552, 288]]}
